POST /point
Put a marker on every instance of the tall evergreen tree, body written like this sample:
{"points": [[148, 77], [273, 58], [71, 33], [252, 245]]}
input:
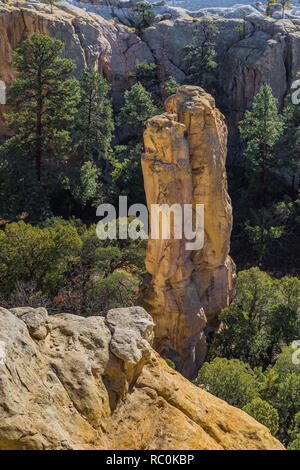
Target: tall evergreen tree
{"points": [[288, 149], [126, 172], [94, 122], [138, 107], [42, 101], [260, 130], [201, 52], [147, 75]]}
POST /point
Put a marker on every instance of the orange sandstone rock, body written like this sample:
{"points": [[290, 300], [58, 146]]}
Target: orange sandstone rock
{"points": [[68, 382], [184, 163]]}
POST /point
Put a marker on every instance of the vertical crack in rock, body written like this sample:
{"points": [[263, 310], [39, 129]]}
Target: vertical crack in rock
{"points": [[184, 163]]}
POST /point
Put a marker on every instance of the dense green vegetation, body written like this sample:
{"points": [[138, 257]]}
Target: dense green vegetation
{"points": [[266, 199], [263, 316], [271, 395], [64, 266], [253, 361], [59, 164], [70, 150], [42, 101]]}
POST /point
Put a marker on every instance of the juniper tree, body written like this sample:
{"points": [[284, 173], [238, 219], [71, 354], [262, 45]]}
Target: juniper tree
{"points": [[143, 16], [41, 101]]}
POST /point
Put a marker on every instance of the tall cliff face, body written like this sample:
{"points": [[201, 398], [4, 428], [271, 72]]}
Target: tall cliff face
{"points": [[184, 163], [110, 48], [269, 52], [68, 382]]}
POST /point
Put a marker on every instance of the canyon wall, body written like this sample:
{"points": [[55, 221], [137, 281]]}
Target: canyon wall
{"points": [[110, 48], [184, 163], [269, 52], [69, 382]]}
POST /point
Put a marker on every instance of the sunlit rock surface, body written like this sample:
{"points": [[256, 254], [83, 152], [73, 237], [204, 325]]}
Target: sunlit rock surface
{"points": [[184, 163], [68, 382]]}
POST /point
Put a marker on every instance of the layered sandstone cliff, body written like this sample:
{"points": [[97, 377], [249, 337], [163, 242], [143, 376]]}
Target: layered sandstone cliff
{"points": [[184, 163], [110, 48], [95, 35], [68, 382]]}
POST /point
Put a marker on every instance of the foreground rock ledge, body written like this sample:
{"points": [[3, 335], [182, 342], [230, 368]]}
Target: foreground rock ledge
{"points": [[68, 382]]}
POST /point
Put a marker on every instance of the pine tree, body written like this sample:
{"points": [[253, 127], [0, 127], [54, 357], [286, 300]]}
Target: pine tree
{"points": [[284, 4], [42, 102], [201, 52], [138, 107], [94, 121], [171, 86], [51, 3], [147, 75], [126, 172], [288, 149], [260, 130]]}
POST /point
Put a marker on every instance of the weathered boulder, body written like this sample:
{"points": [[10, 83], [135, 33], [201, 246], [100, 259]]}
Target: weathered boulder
{"points": [[184, 163], [96, 383]]}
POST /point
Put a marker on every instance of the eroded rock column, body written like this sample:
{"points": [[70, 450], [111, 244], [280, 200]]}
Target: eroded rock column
{"points": [[184, 163]]}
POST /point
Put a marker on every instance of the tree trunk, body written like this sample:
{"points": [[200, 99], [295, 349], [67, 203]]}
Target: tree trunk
{"points": [[38, 151], [38, 147]]}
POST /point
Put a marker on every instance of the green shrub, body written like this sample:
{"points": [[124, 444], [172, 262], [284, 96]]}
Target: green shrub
{"points": [[37, 255], [114, 291], [263, 317], [170, 363], [295, 444], [231, 380], [263, 412]]}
